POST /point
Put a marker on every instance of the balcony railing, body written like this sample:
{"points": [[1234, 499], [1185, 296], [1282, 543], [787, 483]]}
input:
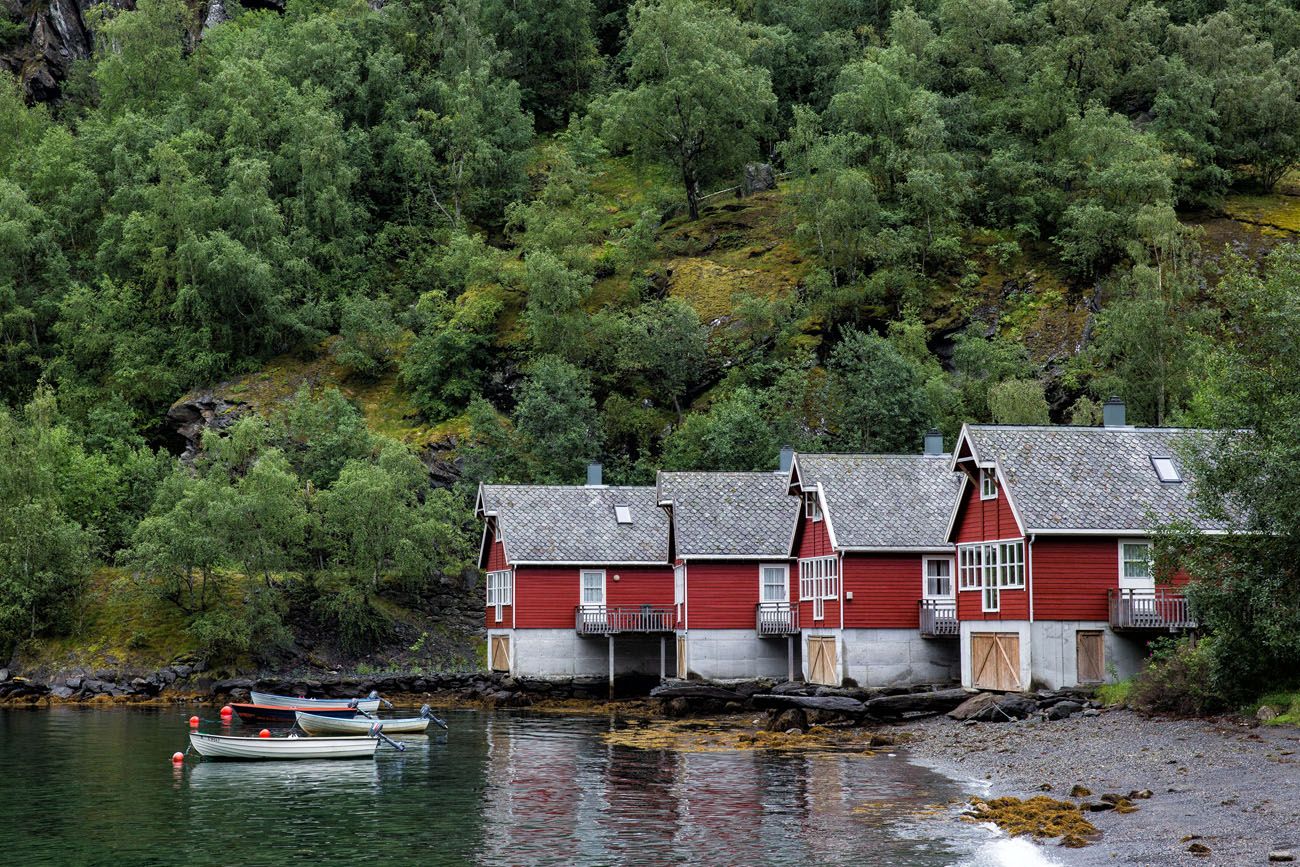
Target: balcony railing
{"points": [[939, 618], [777, 618], [1149, 609], [604, 620]]}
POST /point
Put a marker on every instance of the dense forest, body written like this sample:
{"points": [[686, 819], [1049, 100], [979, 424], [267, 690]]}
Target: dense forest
{"points": [[502, 236]]}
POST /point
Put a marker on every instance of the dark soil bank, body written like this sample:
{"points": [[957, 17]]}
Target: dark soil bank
{"points": [[1217, 785]]}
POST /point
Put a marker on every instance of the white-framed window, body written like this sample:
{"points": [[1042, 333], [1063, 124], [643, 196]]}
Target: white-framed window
{"points": [[988, 483], [811, 508], [679, 585], [991, 567], [496, 530], [500, 590], [819, 578], [819, 609], [774, 583], [593, 587], [1136, 569], [937, 578], [968, 567]]}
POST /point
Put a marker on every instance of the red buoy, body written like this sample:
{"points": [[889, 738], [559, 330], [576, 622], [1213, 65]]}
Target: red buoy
{"points": [[194, 722], [227, 712], [264, 734], [177, 758]]}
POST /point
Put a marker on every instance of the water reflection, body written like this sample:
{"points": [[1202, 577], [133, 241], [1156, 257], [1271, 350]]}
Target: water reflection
{"points": [[498, 789]]}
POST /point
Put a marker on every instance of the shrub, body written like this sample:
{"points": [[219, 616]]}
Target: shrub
{"points": [[1178, 679], [352, 618], [1119, 693]]}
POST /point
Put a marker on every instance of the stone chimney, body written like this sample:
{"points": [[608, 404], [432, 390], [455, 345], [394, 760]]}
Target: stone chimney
{"points": [[787, 458], [1114, 413], [595, 475], [934, 442]]}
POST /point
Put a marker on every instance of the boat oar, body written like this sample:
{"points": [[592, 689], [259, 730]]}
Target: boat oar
{"points": [[428, 714], [379, 735]]}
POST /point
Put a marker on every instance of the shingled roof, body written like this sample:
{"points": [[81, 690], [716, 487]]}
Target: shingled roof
{"points": [[730, 514], [570, 524], [883, 501], [1090, 478]]}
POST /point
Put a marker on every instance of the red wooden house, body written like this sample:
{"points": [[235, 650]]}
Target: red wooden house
{"points": [[569, 570], [729, 541], [1052, 529], [875, 572]]}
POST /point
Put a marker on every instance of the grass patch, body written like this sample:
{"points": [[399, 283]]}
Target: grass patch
{"points": [[1285, 704], [1277, 215], [1115, 693]]}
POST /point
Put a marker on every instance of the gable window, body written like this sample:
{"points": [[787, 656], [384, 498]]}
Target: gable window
{"points": [[811, 508], [593, 587], [679, 585], [623, 514], [774, 583], [496, 530], [988, 483], [500, 590], [1165, 469], [938, 578]]}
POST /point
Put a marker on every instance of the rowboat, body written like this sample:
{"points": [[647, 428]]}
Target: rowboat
{"points": [[316, 724], [230, 747], [369, 704], [285, 715]]}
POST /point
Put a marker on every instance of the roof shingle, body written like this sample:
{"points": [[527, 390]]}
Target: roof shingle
{"points": [[568, 524], [884, 501], [1091, 478], [730, 514]]}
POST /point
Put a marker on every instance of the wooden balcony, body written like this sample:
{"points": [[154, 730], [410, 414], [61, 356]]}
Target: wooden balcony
{"points": [[939, 618], [1147, 609], [776, 618], [606, 620]]}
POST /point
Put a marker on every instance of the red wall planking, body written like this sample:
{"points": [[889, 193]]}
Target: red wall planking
{"points": [[887, 590], [546, 596], [496, 557], [724, 594], [813, 540], [1012, 604], [1072, 575], [984, 520]]}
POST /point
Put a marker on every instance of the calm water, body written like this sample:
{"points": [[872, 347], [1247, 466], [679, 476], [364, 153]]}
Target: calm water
{"points": [[80, 786]]}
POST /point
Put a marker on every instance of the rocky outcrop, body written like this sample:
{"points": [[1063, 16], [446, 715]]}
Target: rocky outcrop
{"points": [[198, 411]]}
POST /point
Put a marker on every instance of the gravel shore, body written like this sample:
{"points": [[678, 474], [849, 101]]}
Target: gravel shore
{"points": [[1231, 788]]}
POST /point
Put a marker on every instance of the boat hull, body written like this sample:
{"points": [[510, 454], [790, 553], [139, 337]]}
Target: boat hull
{"points": [[318, 724], [282, 749], [284, 715], [266, 699]]}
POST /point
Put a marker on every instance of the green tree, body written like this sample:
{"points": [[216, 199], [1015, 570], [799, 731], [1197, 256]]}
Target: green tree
{"points": [[734, 435], [451, 355], [552, 52], [556, 421], [320, 434], [1019, 401], [693, 99], [367, 336], [876, 398]]}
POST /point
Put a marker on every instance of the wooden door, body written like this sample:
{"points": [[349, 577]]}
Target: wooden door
{"points": [[681, 657], [995, 660], [822, 664], [500, 652], [1090, 660]]}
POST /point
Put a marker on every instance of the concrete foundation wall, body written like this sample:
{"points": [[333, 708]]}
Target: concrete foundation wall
{"points": [[726, 654], [898, 657], [1055, 652], [562, 653]]}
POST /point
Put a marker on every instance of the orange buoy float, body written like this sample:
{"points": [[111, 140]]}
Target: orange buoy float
{"points": [[177, 758], [194, 722], [227, 712], [264, 734]]}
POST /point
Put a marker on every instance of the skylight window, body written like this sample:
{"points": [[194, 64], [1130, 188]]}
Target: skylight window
{"points": [[1165, 469], [623, 514]]}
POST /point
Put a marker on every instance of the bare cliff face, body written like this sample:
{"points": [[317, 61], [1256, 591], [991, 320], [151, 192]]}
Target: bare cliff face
{"points": [[41, 39]]}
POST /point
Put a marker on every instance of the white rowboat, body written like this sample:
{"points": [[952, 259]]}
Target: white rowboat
{"points": [[313, 724], [266, 699], [229, 747]]}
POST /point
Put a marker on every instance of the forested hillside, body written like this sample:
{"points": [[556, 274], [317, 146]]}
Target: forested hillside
{"points": [[478, 238]]}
